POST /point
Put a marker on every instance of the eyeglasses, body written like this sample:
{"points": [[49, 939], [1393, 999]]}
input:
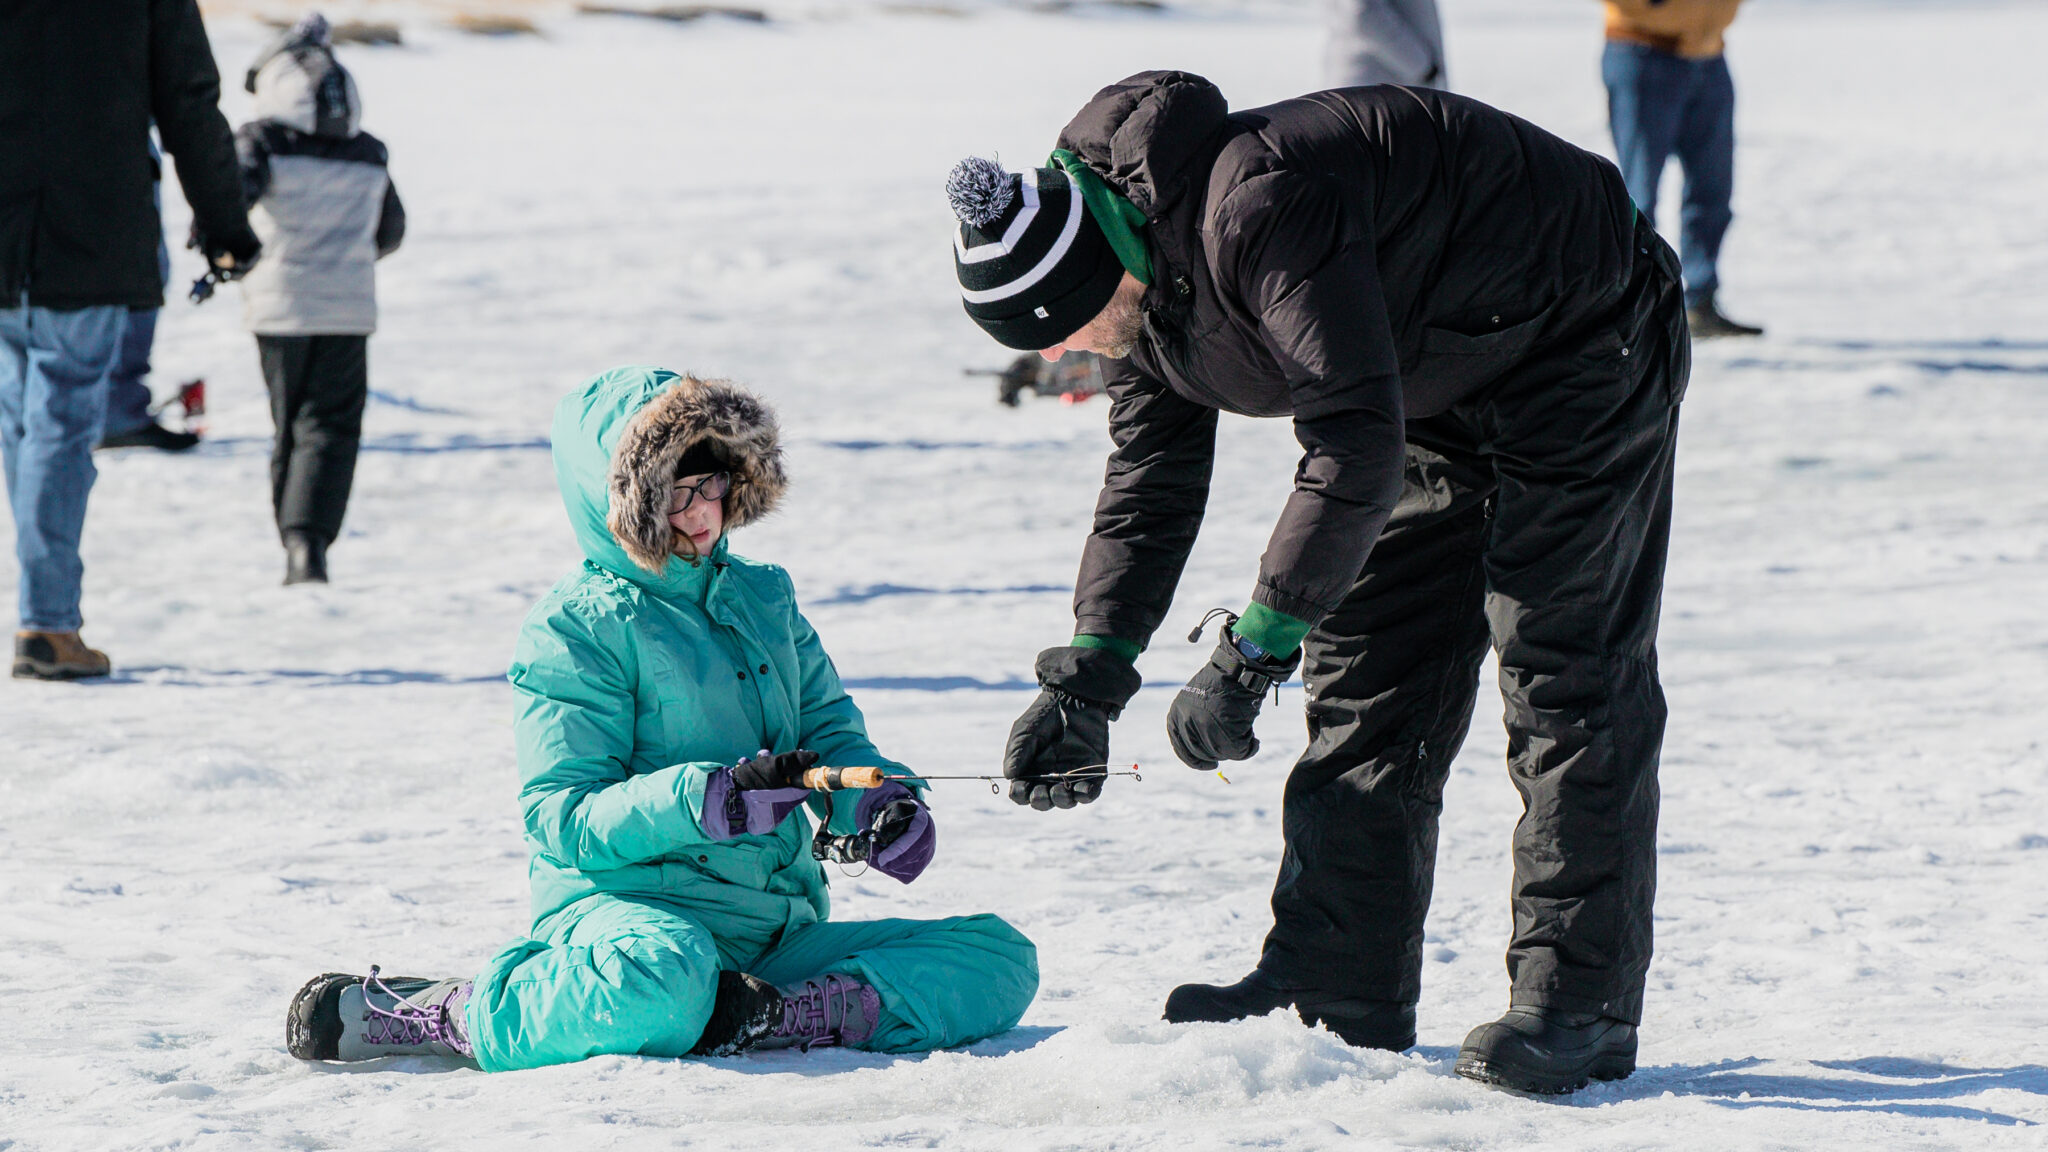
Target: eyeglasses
{"points": [[712, 487]]}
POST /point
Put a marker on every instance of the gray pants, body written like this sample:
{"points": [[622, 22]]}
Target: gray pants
{"points": [[1385, 42]]}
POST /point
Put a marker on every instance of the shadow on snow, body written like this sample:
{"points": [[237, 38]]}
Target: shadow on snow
{"points": [[178, 676], [848, 594], [1897, 1086]]}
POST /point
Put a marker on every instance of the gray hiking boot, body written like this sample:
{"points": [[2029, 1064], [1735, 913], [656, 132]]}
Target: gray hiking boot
{"points": [[343, 1017], [831, 1010], [751, 1014]]}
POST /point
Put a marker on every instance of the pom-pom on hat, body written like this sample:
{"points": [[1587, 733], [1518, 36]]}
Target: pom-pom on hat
{"points": [[1034, 266]]}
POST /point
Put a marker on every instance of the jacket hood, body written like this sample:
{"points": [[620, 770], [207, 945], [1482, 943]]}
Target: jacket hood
{"points": [[1149, 135], [617, 440], [298, 83]]}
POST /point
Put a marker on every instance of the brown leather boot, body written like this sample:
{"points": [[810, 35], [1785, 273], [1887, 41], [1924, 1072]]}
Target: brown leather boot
{"points": [[57, 656]]}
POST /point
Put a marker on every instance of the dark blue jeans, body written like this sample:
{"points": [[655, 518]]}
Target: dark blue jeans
{"points": [[128, 397], [1658, 105]]}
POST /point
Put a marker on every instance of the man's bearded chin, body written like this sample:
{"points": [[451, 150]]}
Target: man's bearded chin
{"points": [[1126, 325]]}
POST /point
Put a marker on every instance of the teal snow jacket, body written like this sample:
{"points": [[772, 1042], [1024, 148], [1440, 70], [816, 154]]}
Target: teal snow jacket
{"points": [[634, 689]]}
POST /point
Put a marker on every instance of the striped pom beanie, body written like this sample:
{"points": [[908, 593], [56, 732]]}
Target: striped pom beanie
{"points": [[1034, 266]]}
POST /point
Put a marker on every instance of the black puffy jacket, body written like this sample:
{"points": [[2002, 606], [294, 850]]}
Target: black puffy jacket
{"points": [[80, 81], [1353, 259]]}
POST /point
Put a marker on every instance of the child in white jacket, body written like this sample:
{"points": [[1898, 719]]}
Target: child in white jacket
{"points": [[326, 211]]}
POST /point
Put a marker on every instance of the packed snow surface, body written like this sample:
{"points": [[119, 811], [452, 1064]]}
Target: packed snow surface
{"points": [[283, 781]]}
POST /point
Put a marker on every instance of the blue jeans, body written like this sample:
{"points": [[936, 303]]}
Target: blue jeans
{"points": [[53, 398], [128, 398], [1659, 104]]}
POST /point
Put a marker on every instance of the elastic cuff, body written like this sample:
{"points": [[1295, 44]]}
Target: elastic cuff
{"points": [[1125, 648], [1277, 633], [1627, 1009]]}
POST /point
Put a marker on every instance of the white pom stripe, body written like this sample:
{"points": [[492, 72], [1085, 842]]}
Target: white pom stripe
{"points": [[1042, 269], [1012, 236]]}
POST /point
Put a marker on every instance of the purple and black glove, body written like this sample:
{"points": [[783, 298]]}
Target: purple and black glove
{"points": [[897, 837], [903, 836], [752, 797]]}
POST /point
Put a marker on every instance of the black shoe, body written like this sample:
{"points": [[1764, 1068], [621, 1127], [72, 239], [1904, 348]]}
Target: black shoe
{"points": [[151, 435], [1548, 1052], [1707, 323], [305, 558], [746, 1011], [1360, 1023]]}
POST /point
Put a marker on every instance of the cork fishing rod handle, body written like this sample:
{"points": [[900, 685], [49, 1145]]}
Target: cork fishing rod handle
{"points": [[834, 779]]}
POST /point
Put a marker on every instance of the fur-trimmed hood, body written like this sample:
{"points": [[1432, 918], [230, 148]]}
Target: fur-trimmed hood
{"points": [[617, 440], [643, 472]]}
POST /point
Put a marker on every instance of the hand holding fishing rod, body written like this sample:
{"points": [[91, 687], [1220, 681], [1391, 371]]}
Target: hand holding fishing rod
{"points": [[1060, 745]]}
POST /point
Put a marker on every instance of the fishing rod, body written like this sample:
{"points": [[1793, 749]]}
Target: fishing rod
{"points": [[837, 779]]}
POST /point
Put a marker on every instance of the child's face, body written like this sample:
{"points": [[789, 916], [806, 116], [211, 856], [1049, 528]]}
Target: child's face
{"points": [[696, 509]]}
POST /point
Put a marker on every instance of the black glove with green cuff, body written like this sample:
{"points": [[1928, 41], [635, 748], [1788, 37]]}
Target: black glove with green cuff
{"points": [[1211, 719], [1059, 747]]}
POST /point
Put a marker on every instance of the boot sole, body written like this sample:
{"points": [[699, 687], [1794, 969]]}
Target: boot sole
{"points": [[312, 1028], [1611, 1067], [25, 669]]}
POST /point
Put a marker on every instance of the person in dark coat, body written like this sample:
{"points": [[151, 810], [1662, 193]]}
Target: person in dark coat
{"points": [[79, 84], [129, 423], [1482, 348]]}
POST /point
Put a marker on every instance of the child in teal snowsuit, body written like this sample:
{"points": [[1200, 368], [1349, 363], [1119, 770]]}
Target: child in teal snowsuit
{"points": [[670, 698]]}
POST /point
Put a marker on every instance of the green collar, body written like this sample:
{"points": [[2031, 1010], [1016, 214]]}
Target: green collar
{"points": [[1119, 219]]}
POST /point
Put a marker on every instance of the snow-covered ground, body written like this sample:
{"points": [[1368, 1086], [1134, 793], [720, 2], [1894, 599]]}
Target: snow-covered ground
{"points": [[279, 782]]}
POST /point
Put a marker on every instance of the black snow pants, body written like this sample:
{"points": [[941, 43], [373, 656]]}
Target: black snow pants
{"points": [[1533, 516], [318, 387]]}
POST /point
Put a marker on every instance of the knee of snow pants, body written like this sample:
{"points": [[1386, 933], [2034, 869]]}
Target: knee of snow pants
{"points": [[613, 976], [941, 982]]}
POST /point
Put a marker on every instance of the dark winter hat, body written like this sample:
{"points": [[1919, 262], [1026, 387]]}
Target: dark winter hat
{"points": [[1034, 267], [298, 82], [705, 456]]}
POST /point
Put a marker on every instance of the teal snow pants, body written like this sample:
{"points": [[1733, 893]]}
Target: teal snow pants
{"points": [[619, 975]]}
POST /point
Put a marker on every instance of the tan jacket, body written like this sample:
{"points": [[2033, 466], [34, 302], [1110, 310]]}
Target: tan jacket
{"points": [[1689, 28]]}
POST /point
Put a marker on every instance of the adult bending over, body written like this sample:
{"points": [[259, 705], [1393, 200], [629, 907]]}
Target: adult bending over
{"points": [[1482, 348]]}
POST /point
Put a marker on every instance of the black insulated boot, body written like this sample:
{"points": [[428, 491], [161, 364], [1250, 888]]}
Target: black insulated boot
{"points": [[1386, 1024], [746, 1011], [1706, 322], [305, 558], [1548, 1052], [152, 435]]}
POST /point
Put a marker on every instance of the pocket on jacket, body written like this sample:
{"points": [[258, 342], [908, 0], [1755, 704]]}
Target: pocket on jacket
{"points": [[745, 863], [1461, 354]]}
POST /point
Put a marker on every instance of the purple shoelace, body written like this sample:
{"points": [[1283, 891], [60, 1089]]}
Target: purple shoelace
{"points": [[409, 1025], [816, 1017]]}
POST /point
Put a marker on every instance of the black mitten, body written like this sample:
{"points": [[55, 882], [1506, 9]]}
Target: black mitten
{"points": [[1059, 745], [1211, 719]]}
